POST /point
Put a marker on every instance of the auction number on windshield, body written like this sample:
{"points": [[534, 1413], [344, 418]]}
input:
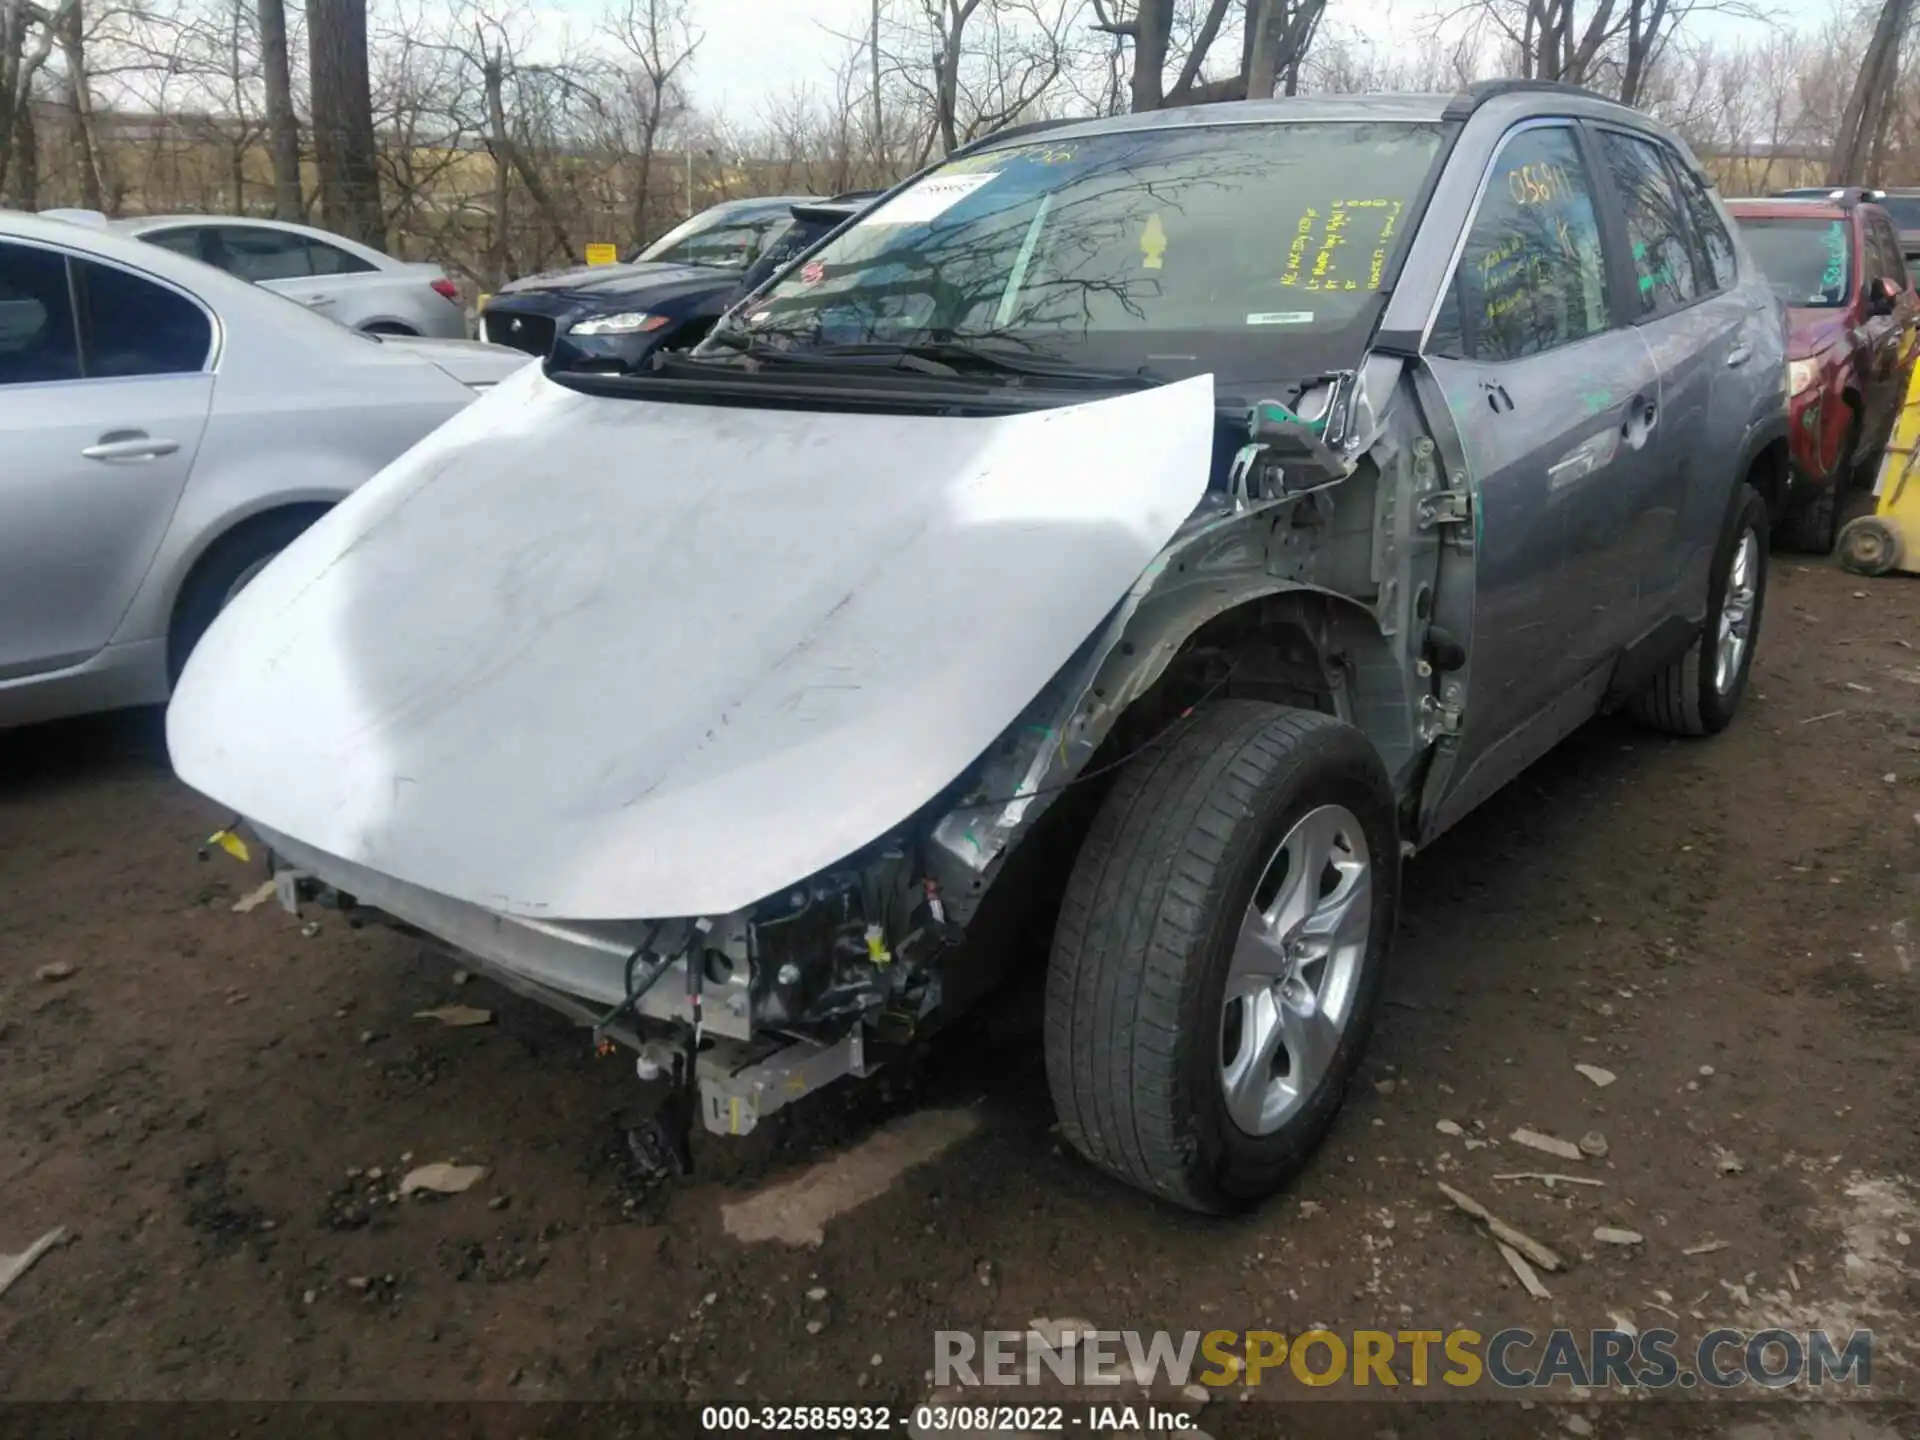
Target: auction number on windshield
{"points": [[1343, 247]]}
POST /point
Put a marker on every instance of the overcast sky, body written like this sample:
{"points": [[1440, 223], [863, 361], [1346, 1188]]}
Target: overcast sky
{"points": [[759, 48]]}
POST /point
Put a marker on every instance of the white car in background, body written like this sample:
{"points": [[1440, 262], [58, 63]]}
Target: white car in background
{"points": [[342, 280], [164, 431]]}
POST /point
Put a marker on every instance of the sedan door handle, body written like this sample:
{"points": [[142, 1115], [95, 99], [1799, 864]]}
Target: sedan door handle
{"points": [[1739, 355], [318, 300], [129, 445]]}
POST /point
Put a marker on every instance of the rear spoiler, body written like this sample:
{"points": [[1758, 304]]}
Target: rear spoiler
{"points": [[830, 212]]}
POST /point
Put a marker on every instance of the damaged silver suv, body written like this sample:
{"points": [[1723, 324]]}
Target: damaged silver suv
{"points": [[1220, 503]]}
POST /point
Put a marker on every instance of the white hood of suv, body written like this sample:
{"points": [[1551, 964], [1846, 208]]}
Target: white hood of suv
{"points": [[605, 659], [471, 362]]}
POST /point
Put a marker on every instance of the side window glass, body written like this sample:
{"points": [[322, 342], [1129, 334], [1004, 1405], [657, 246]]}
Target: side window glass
{"points": [[185, 241], [135, 327], [37, 337], [263, 254], [1892, 263], [1716, 246], [326, 259], [1662, 259], [1872, 263], [1531, 275], [725, 247]]}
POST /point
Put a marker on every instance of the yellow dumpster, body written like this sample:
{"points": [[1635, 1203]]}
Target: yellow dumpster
{"points": [[1889, 538]]}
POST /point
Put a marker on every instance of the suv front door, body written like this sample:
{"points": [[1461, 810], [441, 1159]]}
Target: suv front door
{"points": [[1556, 405]]}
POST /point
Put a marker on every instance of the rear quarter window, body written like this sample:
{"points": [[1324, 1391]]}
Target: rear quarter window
{"points": [[136, 327]]}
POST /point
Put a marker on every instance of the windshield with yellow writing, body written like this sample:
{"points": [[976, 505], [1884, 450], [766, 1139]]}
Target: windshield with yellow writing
{"points": [[1149, 246]]}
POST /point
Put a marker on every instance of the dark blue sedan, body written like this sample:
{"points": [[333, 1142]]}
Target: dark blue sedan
{"points": [[612, 317]]}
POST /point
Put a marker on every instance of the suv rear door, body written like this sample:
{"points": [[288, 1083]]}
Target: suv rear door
{"points": [[1680, 282], [1556, 403]]}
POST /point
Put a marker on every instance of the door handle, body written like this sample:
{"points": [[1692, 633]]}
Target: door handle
{"points": [[318, 300], [129, 445], [1641, 415], [1739, 355]]}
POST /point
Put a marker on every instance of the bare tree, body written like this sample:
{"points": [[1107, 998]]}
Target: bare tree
{"points": [[344, 148], [1275, 38], [877, 136], [82, 137], [661, 41], [283, 128], [26, 40], [953, 70], [1863, 124]]}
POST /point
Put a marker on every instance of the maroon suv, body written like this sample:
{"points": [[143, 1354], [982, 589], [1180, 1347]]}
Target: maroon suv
{"points": [[1851, 314]]}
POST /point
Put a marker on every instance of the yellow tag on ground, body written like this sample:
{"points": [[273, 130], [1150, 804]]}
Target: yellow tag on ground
{"points": [[231, 843], [1153, 243], [603, 255]]}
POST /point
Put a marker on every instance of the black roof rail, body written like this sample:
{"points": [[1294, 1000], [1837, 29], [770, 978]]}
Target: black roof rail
{"points": [[1465, 102], [1012, 132]]}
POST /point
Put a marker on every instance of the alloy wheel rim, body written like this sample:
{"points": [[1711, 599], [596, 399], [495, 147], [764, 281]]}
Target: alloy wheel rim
{"points": [[1294, 975], [1736, 613]]}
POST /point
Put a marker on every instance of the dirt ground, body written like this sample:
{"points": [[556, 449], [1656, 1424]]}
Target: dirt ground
{"points": [[1730, 927]]}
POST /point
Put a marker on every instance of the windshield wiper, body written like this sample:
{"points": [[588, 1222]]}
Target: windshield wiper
{"points": [[754, 347], [981, 355], [956, 355]]}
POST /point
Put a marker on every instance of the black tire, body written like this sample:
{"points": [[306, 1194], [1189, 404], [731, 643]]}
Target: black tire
{"points": [[1813, 526], [1684, 698], [211, 584], [1137, 979], [388, 327], [1871, 545], [1863, 472]]}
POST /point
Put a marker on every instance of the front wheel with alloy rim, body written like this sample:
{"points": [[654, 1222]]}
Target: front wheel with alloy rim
{"points": [[1221, 951], [1699, 692]]}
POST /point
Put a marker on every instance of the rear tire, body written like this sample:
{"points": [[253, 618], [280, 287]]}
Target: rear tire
{"points": [[1812, 527], [1699, 693], [230, 562], [1259, 836]]}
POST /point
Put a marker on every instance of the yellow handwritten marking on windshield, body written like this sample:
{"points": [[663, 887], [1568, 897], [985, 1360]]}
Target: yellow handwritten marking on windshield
{"points": [[1296, 251], [1153, 243], [969, 164], [1313, 256]]}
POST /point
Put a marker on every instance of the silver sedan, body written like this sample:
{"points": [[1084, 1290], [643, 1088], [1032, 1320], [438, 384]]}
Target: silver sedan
{"points": [[166, 429], [344, 281]]}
